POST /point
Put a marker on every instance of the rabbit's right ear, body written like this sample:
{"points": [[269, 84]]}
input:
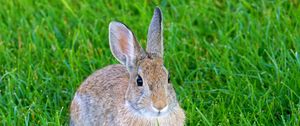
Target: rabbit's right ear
{"points": [[123, 44], [155, 34]]}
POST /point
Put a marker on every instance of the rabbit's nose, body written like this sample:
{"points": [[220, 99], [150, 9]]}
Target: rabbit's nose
{"points": [[159, 105], [159, 99]]}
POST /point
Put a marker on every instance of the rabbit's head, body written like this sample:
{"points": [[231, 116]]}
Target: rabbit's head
{"points": [[149, 92]]}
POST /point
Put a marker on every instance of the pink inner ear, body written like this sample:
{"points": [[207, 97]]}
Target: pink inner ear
{"points": [[123, 40]]}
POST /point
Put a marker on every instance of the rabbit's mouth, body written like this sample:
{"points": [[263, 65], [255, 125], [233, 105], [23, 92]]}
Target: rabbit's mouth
{"points": [[150, 112], [154, 112]]}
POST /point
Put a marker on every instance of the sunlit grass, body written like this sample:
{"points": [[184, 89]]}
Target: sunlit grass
{"points": [[232, 63]]}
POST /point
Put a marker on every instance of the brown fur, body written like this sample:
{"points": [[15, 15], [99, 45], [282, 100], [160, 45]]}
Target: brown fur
{"points": [[104, 99], [112, 96], [155, 73]]}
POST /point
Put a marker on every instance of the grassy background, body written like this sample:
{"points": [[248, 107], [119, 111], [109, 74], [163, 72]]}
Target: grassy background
{"points": [[232, 62]]}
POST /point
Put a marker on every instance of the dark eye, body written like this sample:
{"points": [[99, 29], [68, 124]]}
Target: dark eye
{"points": [[139, 81], [169, 78]]}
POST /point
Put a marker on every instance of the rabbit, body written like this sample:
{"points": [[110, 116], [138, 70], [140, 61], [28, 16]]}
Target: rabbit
{"points": [[137, 92]]}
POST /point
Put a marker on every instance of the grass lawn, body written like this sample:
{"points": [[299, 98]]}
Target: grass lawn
{"points": [[231, 63]]}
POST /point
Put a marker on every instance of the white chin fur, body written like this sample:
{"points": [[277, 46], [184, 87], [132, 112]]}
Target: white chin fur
{"points": [[165, 109], [149, 113]]}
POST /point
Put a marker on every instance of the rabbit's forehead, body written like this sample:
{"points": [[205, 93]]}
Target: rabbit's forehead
{"points": [[152, 67]]}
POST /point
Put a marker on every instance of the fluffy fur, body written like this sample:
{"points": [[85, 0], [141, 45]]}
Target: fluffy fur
{"points": [[111, 96]]}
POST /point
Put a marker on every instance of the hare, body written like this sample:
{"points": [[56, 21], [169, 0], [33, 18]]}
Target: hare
{"points": [[137, 92]]}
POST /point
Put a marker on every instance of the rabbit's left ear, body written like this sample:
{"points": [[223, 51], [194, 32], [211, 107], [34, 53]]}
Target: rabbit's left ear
{"points": [[155, 34], [123, 44]]}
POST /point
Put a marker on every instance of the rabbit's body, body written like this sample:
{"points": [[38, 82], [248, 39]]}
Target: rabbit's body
{"points": [[100, 95], [94, 103], [138, 92]]}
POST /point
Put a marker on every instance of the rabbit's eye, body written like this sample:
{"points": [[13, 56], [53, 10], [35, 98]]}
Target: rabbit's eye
{"points": [[169, 78], [139, 81]]}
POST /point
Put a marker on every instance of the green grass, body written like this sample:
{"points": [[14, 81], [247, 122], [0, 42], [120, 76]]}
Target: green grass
{"points": [[232, 62]]}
